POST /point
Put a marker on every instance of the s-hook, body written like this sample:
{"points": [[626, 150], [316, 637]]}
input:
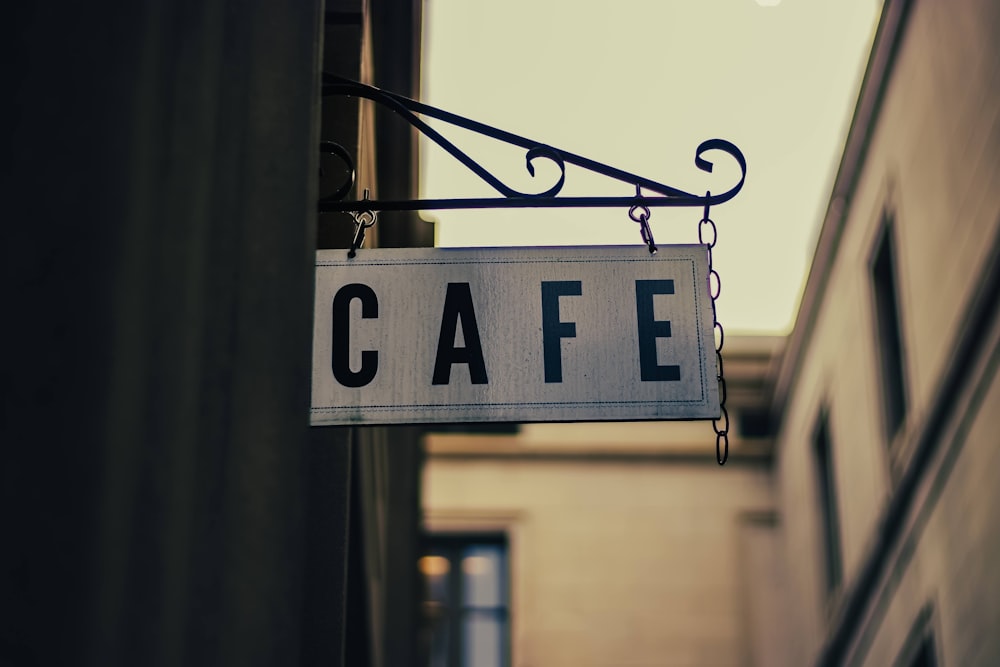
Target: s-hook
{"points": [[640, 213], [362, 221]]}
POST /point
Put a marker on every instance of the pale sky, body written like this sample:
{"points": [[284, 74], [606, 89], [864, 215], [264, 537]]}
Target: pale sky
{"points": [[637, 85]]}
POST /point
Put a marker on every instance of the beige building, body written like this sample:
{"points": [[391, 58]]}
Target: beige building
{"points": [[856, 522], [626, 543], [888, 395]]}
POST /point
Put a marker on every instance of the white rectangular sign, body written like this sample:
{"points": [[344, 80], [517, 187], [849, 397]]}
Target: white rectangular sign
{"points": [[428, 335]]}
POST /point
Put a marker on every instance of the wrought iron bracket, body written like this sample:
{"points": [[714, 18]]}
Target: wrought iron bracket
{"points": [[648, 192]]}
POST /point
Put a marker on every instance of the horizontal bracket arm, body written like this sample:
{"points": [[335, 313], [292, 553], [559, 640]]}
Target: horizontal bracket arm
{"points": [[413, 112]]}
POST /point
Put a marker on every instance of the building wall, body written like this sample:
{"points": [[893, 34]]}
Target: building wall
{"points": [[164, 500], [629, 545], [945, 565], [915, 510], [620, 549], [158, 266], [623, 562], [378, 43]]}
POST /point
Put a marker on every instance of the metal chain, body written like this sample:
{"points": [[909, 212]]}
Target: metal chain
{"points": [[720, 424]]}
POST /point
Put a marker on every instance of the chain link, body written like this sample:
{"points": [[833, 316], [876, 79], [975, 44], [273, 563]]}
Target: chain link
{"points": [[708, 235]]}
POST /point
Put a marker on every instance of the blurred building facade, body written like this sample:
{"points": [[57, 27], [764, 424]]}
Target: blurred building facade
{"points": [[862, 526], [164, 499], [888, 393], [626, 544]]}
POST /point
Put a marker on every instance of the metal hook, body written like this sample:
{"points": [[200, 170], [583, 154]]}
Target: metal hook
{"points": [[362, 221], [640, 214]]}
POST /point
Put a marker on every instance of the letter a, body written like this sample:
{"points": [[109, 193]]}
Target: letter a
{"points": [[458, 305]]}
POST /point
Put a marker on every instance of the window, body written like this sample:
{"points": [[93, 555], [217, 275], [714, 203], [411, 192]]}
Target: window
{"points": [[827, 496], [466, 616], [925, 656], [919, 648], [888, 332]]}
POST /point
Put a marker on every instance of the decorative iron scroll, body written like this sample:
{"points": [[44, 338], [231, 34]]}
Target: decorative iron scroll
{"points": [[648, 192]]}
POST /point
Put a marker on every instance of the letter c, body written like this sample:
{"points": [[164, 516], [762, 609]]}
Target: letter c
{"points": [[341, 359]]}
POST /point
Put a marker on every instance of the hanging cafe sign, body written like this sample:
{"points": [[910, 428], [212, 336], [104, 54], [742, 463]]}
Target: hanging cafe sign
{"points": [[432, 335]]}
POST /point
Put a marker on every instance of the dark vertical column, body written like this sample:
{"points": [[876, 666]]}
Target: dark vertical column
{"points": [[396, 40], [325, 609], [334, 617], [342, 35], [402, 611], [396, 30], [159, 270]]}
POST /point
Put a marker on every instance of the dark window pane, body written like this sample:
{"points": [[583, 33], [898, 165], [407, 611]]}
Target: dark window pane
{"points": [[925, 656], [827, 491], [890, 340], [439, 644]]}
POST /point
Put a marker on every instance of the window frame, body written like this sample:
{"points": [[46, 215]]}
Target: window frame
{"points": [[454, 544]]}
